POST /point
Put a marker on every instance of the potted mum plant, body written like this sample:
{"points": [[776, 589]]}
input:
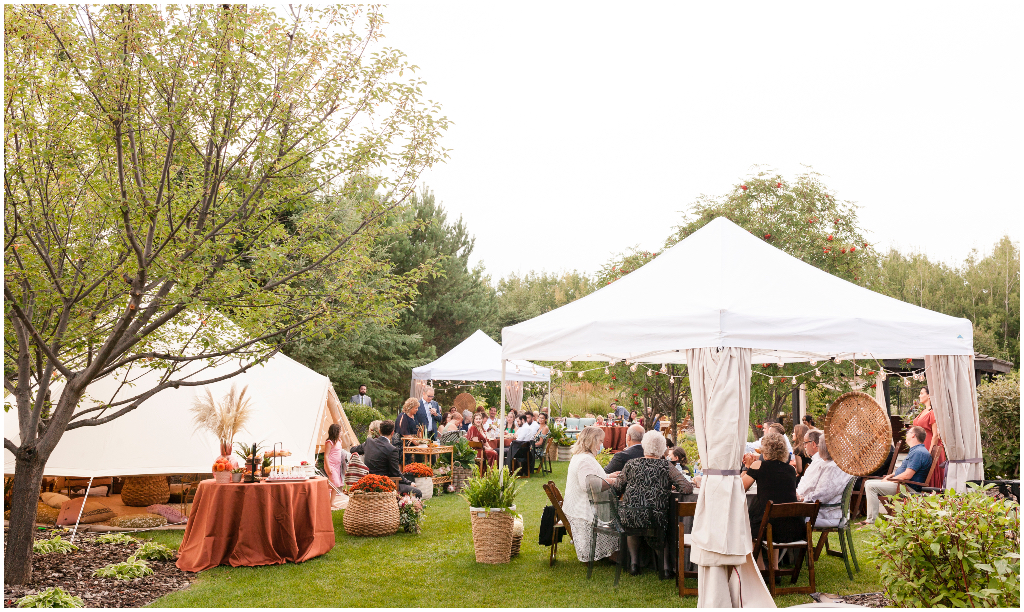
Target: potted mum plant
{"points": [[492, 511], [372, 507], [422, 476]]}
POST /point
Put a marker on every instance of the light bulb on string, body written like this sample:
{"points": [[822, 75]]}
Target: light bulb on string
{"points": [[664, 369], [781, 362], [568, 364], [606, 370], [649, 373], [632, 368], [839, 359], [859, 370], [559, 373], [906, 382], [771, 380], [813, 362], [611, 362], [580, 374], [817, 373]]}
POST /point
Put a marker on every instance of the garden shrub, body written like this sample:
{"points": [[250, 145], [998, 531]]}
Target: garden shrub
{"points": [[115, 538], [126, 570], [154, 550], [950, 550], [51, 598], [999, 414], [54, 544], [360, 417]]}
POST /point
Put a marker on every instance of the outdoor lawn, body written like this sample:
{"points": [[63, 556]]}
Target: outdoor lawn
{"points": [[436, 569]]}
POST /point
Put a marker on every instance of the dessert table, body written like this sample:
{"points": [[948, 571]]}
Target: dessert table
{"points": [[614, 437], [431, 451], [252, 524]]}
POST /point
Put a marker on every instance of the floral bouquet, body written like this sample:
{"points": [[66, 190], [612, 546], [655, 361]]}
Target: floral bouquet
{"points": [[410, 514], [418, 470], [372, 483], [442, 470]]}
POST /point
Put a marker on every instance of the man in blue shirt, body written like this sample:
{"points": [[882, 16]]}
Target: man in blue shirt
{"points": [[912, 472]]}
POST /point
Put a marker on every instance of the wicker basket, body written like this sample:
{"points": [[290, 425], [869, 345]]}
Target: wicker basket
{"points": [[459, 477], [516, 541], [465, 401], [371, 514], [141, 491], [492, 535], [857, 433]]}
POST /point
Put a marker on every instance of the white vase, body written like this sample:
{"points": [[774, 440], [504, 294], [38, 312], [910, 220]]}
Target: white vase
{"points": [[426, 486]]}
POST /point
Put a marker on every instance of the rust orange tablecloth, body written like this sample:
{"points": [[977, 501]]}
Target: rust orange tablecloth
{"points": [[257, 524], [615, 437]]}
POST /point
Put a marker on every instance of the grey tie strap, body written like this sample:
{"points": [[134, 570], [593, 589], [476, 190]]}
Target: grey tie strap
{"points": [[976, 460], [710, 472]]}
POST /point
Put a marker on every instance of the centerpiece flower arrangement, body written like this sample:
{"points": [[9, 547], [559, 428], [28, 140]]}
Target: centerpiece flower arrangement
{"points": [[410, 515], [418, 470], [372, 483], [223, 419]]}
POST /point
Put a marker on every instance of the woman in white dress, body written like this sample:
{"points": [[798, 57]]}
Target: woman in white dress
{"points": [[576, 503]]}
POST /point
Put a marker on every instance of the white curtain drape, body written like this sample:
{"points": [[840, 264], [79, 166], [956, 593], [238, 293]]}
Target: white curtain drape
{"points": [[514, 394], [954, 396], [720, 381]]}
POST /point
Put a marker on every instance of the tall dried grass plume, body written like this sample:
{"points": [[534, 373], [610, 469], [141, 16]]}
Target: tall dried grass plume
{"points": [[225, 419]]}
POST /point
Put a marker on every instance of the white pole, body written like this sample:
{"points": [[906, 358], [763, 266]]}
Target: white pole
{"points": [[501, 429], [549, 397], [80, 510]]}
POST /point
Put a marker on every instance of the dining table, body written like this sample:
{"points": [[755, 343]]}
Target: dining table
{"points": [[253, 524], [614, 437]]}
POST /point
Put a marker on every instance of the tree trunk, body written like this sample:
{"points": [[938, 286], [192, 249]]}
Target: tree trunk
{"points": [[28, 476]]}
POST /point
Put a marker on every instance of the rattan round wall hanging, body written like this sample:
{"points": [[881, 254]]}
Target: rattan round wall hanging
{"points": [[857, 433], [465, 401]]}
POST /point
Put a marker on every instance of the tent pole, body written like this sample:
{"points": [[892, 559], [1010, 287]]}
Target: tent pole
{"points": [[501, 429], [549, 396], [80, 510]]}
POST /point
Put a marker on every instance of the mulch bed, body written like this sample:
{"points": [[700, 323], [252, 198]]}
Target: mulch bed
{"points": [[73, 573], [868, 600]]}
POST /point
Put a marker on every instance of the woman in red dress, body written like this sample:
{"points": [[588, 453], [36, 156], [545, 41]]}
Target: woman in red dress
{"points": [[926, 420], [476, 433]]}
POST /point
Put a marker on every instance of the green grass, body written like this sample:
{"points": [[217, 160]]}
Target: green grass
{"points": [[437, 569]]}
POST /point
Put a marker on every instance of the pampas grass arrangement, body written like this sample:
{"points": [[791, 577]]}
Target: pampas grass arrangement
{"points": [[225, 419]]}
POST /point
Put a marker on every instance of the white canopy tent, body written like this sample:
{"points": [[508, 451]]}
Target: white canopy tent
{"points": [[478, 358], [291, 403], [730, 299]]}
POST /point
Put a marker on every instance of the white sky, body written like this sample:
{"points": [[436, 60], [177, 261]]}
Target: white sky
{"points": [[581, 130]]}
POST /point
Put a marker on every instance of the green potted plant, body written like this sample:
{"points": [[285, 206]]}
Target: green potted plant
{"points": [[465, 464], [492, 511], [562, 441]]}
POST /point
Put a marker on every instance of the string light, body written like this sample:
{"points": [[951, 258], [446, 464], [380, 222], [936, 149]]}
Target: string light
{"points": [[814, 363], [568, 364], [839, 359], [771, 380], [664, 369], [632, 368], [611, 362], [817, 373], [781, 363], [859, 370], [649, 373], [580, 374], [606, 370]]}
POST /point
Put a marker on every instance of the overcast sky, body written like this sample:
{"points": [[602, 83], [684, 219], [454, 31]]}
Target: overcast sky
{"points": [[584, 129]]}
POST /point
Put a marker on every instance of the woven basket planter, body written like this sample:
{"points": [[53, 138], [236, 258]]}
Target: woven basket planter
{"points": [[141, 491], [371, 514], [492, 535], [459, 477], [858, 433], [516, 541]]}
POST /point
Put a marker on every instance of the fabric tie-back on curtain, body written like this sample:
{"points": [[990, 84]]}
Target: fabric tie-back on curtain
{"points": [[514, 394], [951, 385], [721, 546], [880, 391]]}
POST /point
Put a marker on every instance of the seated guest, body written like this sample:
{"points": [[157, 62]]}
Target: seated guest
{"points": [[406, 425], [633, 417], [492, 418], [808, 420], [576, 504], [823, 481], [542, 427], [646, 482], [373, 430], [911, 472], [600, 421], [382, 458], [776, 482], [467, 420], [634, 435], [454, 423], [801, 459], [476, 433], [677, 456], [510, 421], [779, 429]]}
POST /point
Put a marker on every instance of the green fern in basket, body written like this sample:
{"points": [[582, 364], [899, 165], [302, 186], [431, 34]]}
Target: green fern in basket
{"points": [[495, 489]]}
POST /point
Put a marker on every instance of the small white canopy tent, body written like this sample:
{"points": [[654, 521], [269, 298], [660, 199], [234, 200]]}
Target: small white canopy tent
{"points": [[717, 297], [478, 357], [291, 403]]}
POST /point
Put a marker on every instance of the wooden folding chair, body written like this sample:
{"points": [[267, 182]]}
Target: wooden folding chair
{"points": [[683, 510], [804, 548], [481, 460], [859, 507], [562, 524]]}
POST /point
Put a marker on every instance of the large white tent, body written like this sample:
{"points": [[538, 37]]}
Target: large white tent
{"points": [[292, 405], [722, 299]]}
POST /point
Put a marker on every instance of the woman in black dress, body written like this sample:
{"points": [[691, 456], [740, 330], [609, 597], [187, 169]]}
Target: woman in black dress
{"points": [[646, 482], [776, 482]]}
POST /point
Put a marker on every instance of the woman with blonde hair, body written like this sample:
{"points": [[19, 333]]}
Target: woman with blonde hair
{"points": [[576, 504], [373, 431]]}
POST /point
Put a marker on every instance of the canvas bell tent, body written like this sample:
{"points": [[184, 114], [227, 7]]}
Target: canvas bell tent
{"points": [[720, 300], [292, 405]]}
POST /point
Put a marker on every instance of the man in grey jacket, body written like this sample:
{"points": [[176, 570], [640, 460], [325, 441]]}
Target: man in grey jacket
{"points": [[362, 398]]}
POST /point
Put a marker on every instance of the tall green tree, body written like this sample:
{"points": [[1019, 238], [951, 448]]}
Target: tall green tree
{"points": [[179, 187], [523, 297]]}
